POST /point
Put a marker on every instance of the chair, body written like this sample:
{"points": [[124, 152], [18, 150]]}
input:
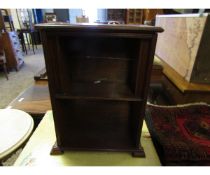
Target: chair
{"points": [[26, 33], [29, 40], [3, 65]]}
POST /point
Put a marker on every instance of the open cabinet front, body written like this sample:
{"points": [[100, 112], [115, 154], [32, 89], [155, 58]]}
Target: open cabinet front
{"points": [[98, 80]]}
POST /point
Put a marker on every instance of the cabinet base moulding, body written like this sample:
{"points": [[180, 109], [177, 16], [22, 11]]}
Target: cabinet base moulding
{"points": [[57, 150]]}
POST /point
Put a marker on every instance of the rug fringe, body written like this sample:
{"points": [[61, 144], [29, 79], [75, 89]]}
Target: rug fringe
{"points": [[179, 105]]}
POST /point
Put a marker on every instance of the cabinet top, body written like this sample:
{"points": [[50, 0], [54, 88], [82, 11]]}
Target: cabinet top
{"points": [[94, 26]]}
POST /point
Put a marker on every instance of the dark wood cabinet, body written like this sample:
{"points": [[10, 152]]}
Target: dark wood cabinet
{"points": [[98, 80]]}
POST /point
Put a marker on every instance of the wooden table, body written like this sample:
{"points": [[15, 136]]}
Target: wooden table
{"points": [[35, 100], [37, 151], [180, 91]]}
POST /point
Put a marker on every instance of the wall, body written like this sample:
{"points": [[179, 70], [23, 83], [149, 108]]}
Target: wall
{"points": [[62, 15], [102, 15], [73, 13]]}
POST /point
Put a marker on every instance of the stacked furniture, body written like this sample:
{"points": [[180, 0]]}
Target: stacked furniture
{"points": [[185, 60], [13, 52], [2, 58], [187, 52], [10, 41], [6, 23], [105, 71]]}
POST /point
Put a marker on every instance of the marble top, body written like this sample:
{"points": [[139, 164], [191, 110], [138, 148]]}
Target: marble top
{"points": [[15, 128]]}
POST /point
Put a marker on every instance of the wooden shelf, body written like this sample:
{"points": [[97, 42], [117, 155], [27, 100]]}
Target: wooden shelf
{"points": [[102, 58], [99, 90], [62, 96]]}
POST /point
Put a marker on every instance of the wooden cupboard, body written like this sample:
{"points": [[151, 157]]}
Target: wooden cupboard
{"points": [[98, 80]]}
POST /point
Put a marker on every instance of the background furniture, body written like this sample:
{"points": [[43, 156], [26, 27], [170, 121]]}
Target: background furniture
{"points": [[180, 91], [116, 15], [105, 71], [134, 16], [3, 65], [16, 127], [35, 100], [2, 58], [6, 23], [37, 151], [10, 42], [184, 45], [13, 52], [28, 36]]}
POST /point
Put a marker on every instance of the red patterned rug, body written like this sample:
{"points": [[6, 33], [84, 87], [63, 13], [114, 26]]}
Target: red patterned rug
{"points": [[181, 134]]}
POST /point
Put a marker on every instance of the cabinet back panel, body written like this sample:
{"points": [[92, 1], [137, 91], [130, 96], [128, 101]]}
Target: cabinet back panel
{"points": [[100, 47], [93, 69], [101, 60]]}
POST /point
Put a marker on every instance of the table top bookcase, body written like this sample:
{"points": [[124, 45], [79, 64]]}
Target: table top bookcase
{"points": [[98, 81]]}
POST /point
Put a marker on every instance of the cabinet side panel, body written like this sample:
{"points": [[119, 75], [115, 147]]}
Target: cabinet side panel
{"points": [[141, 81], [201, 69], [51, 62]]}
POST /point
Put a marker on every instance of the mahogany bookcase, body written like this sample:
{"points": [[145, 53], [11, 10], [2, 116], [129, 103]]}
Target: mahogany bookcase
{"points": [[98, 81]]}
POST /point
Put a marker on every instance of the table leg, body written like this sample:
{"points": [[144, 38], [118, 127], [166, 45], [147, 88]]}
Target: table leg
{"points": [[5, 71], [32, 40]]}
